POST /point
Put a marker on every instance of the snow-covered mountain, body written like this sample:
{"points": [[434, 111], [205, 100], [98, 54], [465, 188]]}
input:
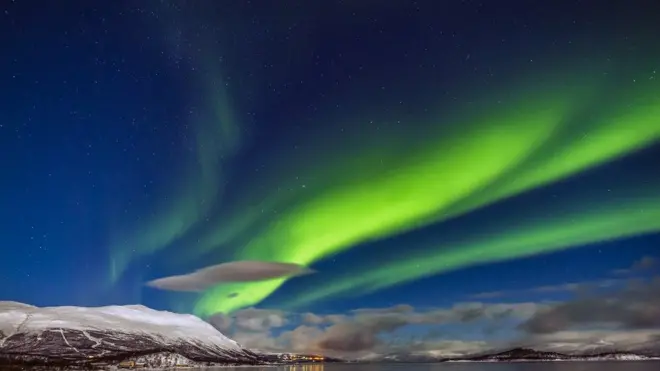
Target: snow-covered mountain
{"points": [[134, 334], [514, 355], [526, 354]]}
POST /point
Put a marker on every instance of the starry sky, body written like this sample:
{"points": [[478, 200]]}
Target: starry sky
{"points": [[479, 170]]}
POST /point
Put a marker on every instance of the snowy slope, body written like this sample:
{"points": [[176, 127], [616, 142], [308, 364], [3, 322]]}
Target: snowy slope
{"points": [[111, 333], [128, 319]]}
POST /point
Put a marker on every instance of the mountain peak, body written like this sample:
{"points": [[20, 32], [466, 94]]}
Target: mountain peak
{"points": [[112, 334]]}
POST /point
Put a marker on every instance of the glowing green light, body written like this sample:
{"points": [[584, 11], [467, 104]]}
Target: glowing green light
{"points": [[500, 151]]}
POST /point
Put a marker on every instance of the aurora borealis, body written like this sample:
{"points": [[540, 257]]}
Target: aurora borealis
{"points": [[429, 188], [402, 152]]}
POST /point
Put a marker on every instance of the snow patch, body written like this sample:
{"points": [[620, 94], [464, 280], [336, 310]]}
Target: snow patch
{"points": [[130, 319]]}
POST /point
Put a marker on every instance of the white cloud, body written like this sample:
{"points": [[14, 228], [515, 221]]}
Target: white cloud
{"points": [[238, 271], [628, 321]]}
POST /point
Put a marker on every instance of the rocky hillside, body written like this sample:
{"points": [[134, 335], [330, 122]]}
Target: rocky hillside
{"points": [[78, 337]]}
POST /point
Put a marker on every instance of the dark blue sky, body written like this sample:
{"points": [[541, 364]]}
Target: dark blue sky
{"points": [[115, 116]]}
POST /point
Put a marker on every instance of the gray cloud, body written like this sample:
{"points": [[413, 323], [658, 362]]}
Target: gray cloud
{"points": [[644, 264], [628, 319], [312, 319], [570, 287], [360, 332], [250, 320], [239, 271], [363, 329], [253, 319], [221, 322], [638, 267], [635, 307]]}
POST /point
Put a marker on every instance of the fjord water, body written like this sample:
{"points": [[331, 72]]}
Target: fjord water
{"points": [[520, 366]]}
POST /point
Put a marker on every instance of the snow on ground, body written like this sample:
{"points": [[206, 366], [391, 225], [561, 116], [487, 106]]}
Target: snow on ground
{"points": [[134, 319]]}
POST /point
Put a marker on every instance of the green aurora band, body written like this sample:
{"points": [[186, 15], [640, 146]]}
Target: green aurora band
{"points": [[217, 138], [548, 127], [562, 226], [501, 150], [217, 134]]}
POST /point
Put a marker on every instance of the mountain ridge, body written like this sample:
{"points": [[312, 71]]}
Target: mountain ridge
{"points": [[521, 354], [81, 337]]}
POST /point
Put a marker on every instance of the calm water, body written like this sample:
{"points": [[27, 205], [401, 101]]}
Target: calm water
{"points": [[550, 366]]}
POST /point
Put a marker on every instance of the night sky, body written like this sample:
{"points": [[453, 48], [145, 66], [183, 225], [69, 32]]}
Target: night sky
{"points": [[458, 173]]}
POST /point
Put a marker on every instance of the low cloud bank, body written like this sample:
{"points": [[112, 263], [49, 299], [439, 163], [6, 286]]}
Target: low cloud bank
{"points": [[628, 319]]}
